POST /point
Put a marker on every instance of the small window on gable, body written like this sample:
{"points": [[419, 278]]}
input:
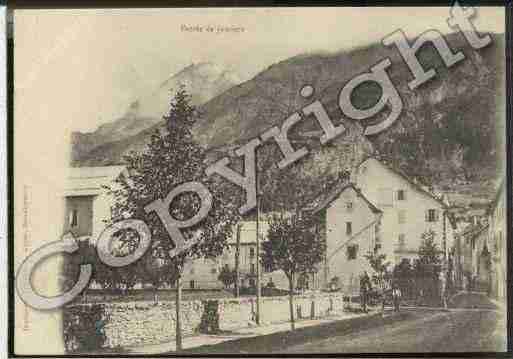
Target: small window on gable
{"points": [[401, 195], [349, 206], [352, 251], [73, 218], [252, 252], [349, 228]]}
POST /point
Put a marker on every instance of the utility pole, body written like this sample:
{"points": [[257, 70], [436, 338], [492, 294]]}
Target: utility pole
{"points": [[178, 321], [258, 286], [237, 259]]}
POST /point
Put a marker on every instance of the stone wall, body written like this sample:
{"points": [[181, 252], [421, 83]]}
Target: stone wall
{"points": [[142, 323]]}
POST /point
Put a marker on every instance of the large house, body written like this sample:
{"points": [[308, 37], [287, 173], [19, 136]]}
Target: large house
{"points": [[475, 256], [87, 203], [497, 221], [352, 230], [408, 209]]}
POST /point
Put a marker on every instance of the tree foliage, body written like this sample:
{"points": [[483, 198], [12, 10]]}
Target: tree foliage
{"points": [[291, 245], [429, 253], [173, 157]]}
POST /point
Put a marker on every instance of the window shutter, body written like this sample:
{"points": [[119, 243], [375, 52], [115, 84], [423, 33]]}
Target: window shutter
{"points": [[436, 214], [427, 215]]}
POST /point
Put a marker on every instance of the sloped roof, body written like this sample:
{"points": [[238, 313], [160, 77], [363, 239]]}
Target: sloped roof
{"points": [[416, 186], [336, 192], [89, 180]]}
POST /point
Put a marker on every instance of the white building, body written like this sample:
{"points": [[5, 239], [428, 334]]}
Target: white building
{"points": [[497, 220], [352, 230], [408, 210], [87, 204]]}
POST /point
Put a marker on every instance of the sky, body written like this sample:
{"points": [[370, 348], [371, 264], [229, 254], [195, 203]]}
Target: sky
{"points": [[84, 67]]}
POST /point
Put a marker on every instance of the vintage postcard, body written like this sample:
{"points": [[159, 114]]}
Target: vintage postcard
{"points": [[260, 181]]}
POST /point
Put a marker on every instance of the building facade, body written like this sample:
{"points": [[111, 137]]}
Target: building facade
{"points": [[87, 203], [352, 230], [408, 211], [497, 233]]}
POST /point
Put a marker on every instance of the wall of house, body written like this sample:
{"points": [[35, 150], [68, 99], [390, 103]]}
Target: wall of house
{"points": [[83, 205], [498, 242], [400, 217], [349, 208]]}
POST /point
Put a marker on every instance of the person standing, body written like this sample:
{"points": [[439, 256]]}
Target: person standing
{"points": [[396, 294], [365, 286]]}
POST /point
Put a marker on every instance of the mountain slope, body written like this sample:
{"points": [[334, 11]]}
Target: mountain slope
{"points": [[203, 81], [446, 134]]}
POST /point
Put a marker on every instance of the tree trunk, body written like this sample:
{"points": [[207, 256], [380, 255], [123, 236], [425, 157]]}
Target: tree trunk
{"points": [[178, 322], [291, 302]]}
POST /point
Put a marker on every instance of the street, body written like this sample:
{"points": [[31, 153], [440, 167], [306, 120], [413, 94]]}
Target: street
{"points": [[455, 331], [471, 327]]}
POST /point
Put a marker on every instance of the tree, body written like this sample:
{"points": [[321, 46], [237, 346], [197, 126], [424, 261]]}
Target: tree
{"points": [[292, 247], [227, 276], [173, 157], [429, 253], [380, 275], [428, 266]]}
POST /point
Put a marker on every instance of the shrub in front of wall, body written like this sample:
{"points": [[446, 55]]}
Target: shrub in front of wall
{"points": [[210, 318], [84, 328]]}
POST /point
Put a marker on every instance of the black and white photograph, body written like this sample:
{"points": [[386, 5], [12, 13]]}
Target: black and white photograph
{"points": [[266, 180]]}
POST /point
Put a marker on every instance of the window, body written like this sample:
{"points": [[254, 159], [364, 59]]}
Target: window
{"points": [[213, 270], [73, 218], [349, 228], [192, 270], [191, 284], [431, 215], [352, 251], [349, 206], [401, 240], [253, 271], [401, 216], [401, 195], [252, 252], [251, 282]]}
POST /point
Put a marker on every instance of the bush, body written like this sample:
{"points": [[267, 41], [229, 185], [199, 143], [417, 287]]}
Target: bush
{"points": [[83, 328], [210, 318]]}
